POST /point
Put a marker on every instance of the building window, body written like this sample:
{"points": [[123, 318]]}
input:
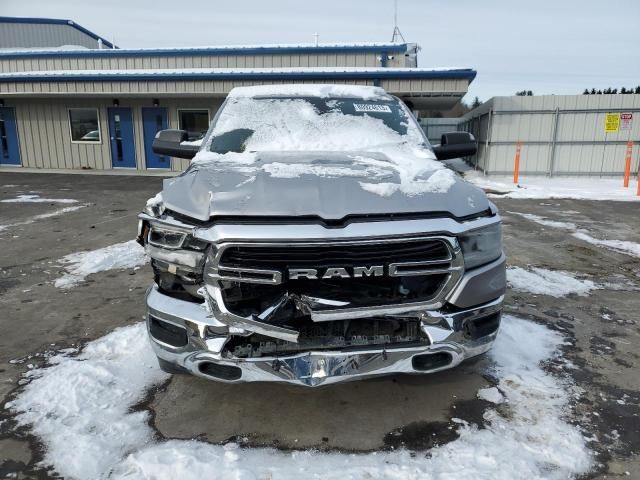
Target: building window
{"points": [[195, 122], [84, 124]]}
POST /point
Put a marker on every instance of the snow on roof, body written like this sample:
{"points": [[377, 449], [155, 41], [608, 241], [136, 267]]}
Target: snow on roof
{"points": [[382, 46], [310, 90], [212, 73]]}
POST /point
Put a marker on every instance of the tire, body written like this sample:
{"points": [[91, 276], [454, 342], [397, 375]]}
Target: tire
{"points": [[171, 368]]}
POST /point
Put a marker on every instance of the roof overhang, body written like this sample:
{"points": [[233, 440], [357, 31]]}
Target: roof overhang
{"points": [[426, 89]]}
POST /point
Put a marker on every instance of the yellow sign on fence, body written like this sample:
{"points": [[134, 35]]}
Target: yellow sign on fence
{"points": [[611, 122]]}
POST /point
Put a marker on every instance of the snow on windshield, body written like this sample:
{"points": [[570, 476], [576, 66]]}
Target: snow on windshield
{"points": [[359, 128], [286, 124]]}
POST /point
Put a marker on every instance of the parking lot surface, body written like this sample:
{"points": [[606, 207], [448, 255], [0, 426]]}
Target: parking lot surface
{"points": [[415, 412]]}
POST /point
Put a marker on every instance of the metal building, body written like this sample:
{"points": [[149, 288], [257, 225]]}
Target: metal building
{"points": [[558, 134], [101, 109], [19, 32]]}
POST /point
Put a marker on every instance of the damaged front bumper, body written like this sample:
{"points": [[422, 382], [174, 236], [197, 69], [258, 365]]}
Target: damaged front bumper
{"points": [[188, 336]]}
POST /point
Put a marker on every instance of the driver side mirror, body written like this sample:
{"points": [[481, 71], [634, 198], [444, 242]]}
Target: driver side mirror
{"points": [[454, 145], [170, 142]]}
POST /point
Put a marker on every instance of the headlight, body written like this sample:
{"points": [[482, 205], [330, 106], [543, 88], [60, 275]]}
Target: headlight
{"points": [[174, 239], [481, 246]]}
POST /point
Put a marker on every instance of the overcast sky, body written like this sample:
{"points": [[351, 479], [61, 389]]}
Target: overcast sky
{"points": [[548, 46]]}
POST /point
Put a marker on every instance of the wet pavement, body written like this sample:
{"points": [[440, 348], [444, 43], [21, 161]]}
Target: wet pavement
{"points": [[414, 411]]}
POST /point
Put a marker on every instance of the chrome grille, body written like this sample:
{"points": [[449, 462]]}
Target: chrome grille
{"points": [[417, 271]]}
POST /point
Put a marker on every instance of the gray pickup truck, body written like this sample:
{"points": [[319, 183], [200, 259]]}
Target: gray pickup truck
{"points": [[316, 238]]}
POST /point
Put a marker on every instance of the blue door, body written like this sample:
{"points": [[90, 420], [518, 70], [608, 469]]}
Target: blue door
{"points": [[123, 153], [9, 149], [154, 119]]}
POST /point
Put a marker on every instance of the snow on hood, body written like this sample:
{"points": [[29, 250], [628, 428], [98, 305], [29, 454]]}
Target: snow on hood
{"points": [[305, 158], [331, 185]]}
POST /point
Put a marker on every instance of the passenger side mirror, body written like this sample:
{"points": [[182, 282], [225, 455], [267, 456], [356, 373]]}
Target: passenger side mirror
{"points": [[454, 145], [169, 142]]}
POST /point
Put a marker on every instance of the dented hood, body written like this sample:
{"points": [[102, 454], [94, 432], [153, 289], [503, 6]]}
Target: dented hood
{"points": [[326, 184]]}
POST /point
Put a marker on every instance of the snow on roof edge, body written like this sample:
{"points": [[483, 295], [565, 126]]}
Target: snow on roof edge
{"points": [[321, 90], [213, 71], [215, 48]]}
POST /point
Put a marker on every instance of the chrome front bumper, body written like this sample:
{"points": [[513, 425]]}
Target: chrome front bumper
{"points": [[450, 335]]}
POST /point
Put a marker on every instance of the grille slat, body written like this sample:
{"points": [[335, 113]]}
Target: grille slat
{"points": [[282, 257]]}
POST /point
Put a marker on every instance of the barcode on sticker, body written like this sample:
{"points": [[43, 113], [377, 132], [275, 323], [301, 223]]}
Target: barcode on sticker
{"points": [[368, 107]]}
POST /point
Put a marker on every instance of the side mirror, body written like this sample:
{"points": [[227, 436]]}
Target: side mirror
{"points": [[454, 145], [169, 142]]}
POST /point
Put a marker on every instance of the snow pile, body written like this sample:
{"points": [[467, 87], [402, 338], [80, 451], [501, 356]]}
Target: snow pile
{"points": [[42, 216], [79, 265], [556, 187], [294, 170], [540, 281], [80, 406], [439, 181], [37, 199], [80, 410], [621, 246]]}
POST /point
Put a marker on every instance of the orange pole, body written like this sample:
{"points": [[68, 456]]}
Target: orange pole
{"points": [[516, 167], [627, 163]]}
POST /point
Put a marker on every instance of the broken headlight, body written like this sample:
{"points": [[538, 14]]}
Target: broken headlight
{"points": [[173, 239], [481, 246]]}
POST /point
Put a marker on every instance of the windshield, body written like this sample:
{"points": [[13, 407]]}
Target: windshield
{"points": [[311, 124]]}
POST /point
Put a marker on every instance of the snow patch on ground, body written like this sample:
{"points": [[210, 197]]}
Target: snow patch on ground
{"points": [[556, 187], [546, 222], [80, 405], [37, 199], [42, 216], [79, 265], [540, 281], [80, 408], [621, 246]]}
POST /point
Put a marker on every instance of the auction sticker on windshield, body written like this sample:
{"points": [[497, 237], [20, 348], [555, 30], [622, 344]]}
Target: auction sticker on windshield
{"points": [[368, 107]]}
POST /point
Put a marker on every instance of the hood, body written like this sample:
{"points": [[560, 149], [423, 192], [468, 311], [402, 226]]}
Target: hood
{"points": [[331, 185]]}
